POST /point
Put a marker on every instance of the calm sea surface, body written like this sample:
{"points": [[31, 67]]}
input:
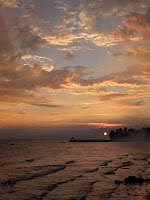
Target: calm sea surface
{"points": [[54, 170]]}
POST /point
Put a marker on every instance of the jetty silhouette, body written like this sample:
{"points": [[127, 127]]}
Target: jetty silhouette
{"points": [[72, 139]]}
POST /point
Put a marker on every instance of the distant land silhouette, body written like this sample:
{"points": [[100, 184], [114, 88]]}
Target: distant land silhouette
{"points": [[130, 134]]}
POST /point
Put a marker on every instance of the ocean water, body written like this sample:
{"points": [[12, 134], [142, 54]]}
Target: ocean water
{"points": [[55, 170]]}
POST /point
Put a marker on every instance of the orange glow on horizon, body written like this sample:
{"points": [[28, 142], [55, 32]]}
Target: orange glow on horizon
{"points": [[105, 124], [91, 124]]}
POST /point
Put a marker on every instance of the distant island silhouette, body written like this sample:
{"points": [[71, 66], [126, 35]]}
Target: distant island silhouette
{"points": [[130, 134]]}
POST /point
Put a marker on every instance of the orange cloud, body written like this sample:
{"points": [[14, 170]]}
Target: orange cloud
{"points": [[139, 53], [136, 27], [11, 4]]}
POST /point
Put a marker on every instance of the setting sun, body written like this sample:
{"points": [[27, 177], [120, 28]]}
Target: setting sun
{"points": [[105, 134]]}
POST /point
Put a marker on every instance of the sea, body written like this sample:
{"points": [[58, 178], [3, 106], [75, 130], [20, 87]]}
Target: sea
{"points": [[60, 170]]}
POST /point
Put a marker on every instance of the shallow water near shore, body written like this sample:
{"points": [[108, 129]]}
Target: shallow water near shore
{"points": [[56, 170]]}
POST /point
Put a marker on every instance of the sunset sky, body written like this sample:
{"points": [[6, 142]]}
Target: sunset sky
{"points": [[73, 65]]}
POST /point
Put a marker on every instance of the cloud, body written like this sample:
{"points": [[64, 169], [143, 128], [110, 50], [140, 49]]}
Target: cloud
{"points": [[31, 78], [32, 13], [76, 48], [140, 23], [32, 60], [8, 53], [68, 29], [136, 26], [76, 22], [11, 4], [90, 15], [85, 21], [99, 39], [9, 65], [60, 37], [36, 58], [86, 106], [24, 82], [28, 39], [123, 34], [89, 107], [126, 77], [69, 12], [20, 82], [111, 96], [136, 70], [138, 119], [130, 104], [123, 78], [127, 96], [69, 55], [140, 53], [95, 11], [89, 91], [27, 80], [15, 79], [47, 105]]}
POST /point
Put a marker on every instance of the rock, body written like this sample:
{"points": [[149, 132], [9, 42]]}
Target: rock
{"points": [[133, 179], [147, 180], [30, 160], [118, 182], [109, 173], [9, 182], [70, 162]]}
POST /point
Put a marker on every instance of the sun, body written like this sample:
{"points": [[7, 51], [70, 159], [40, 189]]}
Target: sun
{"points": [[105, 133]]}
